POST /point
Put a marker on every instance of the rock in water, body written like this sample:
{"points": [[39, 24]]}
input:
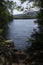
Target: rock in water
{"points": [[9, 43]]}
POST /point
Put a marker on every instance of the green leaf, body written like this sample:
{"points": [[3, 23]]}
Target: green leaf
{"points": [[1, 30]]}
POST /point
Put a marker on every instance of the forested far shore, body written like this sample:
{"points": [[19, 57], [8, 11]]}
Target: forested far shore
{"points": [[29, 15]]}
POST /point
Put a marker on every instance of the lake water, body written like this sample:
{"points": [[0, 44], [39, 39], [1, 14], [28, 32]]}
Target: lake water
{"points": [[19, 30]]}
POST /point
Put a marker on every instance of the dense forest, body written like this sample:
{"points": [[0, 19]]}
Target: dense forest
{"points": [[5, 14], [36, 50], [5, 17]]}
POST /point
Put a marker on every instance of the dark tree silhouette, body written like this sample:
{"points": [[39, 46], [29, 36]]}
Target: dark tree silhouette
{"points": [[36, 49]]}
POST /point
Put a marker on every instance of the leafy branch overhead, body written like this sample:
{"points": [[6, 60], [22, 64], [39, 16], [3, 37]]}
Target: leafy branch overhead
{"points": [[11, 5]]}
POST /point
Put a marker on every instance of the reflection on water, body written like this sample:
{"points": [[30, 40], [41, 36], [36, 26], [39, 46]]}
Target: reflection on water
{"points": [[19, 31]]}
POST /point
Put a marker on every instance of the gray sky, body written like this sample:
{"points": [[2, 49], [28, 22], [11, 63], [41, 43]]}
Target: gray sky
{"points": [[24, 5]]}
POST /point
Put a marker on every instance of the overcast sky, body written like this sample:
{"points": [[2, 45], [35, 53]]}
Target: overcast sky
{"points": [[24, 5]]}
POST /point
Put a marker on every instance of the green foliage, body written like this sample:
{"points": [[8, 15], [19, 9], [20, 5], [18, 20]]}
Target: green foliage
{"points": [[23, 1], [11, 5], [36, 40], [5, 15], [1, 30], [18, 7]]}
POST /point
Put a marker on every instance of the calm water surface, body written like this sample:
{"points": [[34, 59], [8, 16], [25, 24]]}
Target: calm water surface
{"points": [[19, 31]]}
